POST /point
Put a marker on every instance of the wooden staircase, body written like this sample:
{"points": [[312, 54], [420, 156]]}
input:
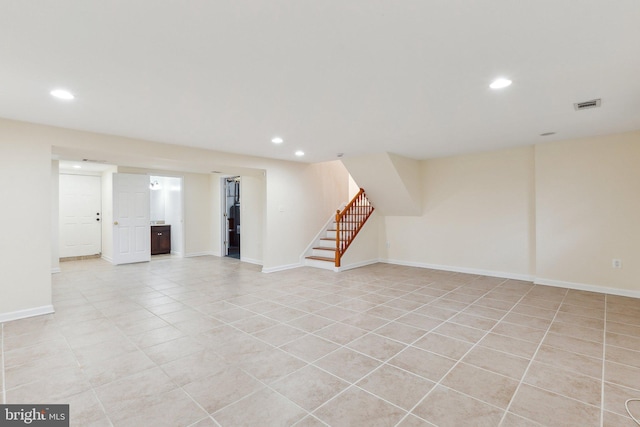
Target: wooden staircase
{"points": [[328, 249]]}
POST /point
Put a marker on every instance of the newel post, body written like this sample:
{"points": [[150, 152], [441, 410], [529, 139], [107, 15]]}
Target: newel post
{"points": [[337, 238]]}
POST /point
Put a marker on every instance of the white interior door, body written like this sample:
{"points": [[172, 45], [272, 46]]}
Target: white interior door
{"points": [[131, 216], [80, 215]]}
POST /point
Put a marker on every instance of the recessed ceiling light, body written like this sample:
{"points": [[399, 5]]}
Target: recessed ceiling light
{"points": [[277, 140], [62, 94], [500, 83], [77, 167], [299, 153]]}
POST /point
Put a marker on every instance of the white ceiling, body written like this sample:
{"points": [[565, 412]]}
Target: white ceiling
{"points": [[357, 76]]}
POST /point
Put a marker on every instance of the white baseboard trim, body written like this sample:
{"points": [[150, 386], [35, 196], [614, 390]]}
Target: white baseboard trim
{"points": [[23, 314], [194, 254], [55, 270], [589, 288], [281, 268], [501, 274], [106, 258], [250, 260], [356, 265]]}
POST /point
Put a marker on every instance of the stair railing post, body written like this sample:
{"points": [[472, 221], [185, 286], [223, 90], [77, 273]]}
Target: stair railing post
{"points": [[337, 261]]}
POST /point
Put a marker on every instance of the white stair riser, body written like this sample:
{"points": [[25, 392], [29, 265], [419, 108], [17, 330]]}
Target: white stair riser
{"points": [[319, 264], [347, 226], [331, 234], [327, 244], [321, 252]]}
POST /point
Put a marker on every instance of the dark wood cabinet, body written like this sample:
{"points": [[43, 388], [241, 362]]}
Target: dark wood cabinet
{"points": [[160, 239]]}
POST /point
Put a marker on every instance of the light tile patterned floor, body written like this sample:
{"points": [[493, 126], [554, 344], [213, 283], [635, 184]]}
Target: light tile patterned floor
{"points": [[208, 341]]}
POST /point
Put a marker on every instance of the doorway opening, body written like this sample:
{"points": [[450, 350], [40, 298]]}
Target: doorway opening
{"points": [[166, 215], [80, 208], [231, 216]]}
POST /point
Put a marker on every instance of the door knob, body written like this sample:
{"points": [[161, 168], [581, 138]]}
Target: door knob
{"points": [[115, 222]]}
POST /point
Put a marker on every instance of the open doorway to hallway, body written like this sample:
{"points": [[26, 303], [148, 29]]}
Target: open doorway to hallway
{"points": [[231, 216], [166, 215]]}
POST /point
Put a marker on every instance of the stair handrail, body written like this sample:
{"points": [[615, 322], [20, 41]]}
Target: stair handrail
{"points": [[359, 209]]}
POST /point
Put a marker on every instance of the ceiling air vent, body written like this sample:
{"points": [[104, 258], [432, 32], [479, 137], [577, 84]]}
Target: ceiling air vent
{"points": [[594, 103]]}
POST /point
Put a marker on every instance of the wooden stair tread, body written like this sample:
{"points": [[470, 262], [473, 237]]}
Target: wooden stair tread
{"points": [[320, 248], [321, 258]]}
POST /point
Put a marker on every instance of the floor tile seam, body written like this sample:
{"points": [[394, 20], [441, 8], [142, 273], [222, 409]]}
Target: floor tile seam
{"points": [[514, 338], [388, 322], [199, 406], [458, 361], [365, 312], [535, 423], [575, 337], [501, 351], [312, 416], [542, 341], [2, 370], [532, 316], [104, 410], [527, 326], [559, 394], [563, 322], [569, 371], [604, 362], [354, 386], [156, 365], [493, 405], [622, 363], [309, 412], [264, 387], [533, 356], [626, 387], [584, 306], [625, 335]]}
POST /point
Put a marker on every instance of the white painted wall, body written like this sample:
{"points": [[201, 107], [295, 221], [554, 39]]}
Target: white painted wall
{"points": [[26, 255], [353, 188], [588, 211], [174, 212], [252, 203], [389, 182], [478, 215], [365, 248], [107, 213], [217, 205], [299, 198], [198, 215], [55, 216]]}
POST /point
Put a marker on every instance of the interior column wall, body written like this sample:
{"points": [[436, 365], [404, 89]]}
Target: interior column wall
{"points": [[26, 255]]}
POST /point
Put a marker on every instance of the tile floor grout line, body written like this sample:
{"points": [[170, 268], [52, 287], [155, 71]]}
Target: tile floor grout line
{"points": [[604, 355], [341, 346], [93, 391], [196, 287], [535, 353], [2, 370], [198, 405], [436, 384], [439, 382]]}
